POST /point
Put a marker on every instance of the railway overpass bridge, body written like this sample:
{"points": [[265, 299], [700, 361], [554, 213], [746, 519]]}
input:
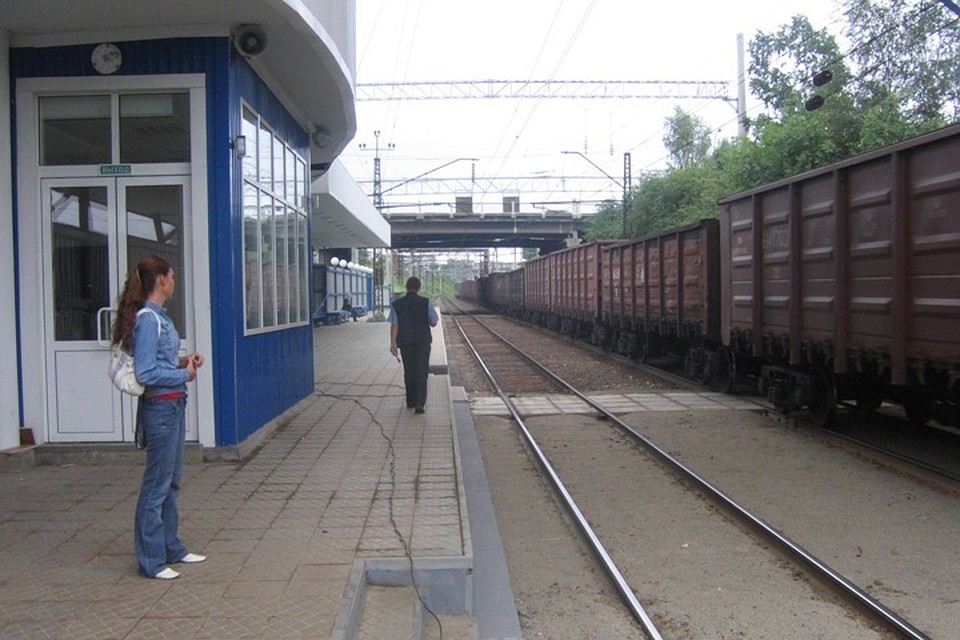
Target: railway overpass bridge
{"points": [[546, 230]]}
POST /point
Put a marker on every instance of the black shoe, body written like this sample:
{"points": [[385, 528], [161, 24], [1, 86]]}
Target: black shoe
{"points": [[418, 410]]}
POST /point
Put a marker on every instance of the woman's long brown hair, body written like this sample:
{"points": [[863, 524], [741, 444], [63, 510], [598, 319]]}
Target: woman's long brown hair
{"points": [[140, 282]]}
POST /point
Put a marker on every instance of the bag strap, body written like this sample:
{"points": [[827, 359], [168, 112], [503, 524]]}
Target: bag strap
{"points": [[146, 310]]}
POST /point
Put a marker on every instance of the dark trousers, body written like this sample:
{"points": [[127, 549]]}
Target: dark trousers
{"points": [[416, 366]]}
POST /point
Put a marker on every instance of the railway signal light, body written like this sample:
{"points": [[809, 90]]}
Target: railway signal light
{"points": [[822, 77], [819, 79], [813, 103]]}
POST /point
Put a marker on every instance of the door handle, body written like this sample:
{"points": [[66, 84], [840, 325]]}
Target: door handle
{"points": [[103, 337]]}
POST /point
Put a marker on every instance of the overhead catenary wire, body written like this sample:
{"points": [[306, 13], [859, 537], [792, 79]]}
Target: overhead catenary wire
{"points": [[569, 46], [510, 139]]}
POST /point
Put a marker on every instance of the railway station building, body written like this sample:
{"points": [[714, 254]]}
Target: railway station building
{"points": [[202, 131]]}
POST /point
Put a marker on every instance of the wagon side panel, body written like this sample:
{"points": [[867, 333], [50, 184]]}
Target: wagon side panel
{"points": [[933, 183]]}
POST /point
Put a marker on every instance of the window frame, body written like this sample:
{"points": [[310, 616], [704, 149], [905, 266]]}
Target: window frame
{"points": [[281, 211]]}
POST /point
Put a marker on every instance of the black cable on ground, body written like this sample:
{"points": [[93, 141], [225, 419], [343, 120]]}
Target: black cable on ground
{"points": [[392, 459]]}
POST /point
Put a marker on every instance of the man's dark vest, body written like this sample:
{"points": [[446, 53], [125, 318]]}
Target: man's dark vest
{"points": [[413, 320]]}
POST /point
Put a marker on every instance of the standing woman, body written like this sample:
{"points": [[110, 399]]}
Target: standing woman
{"points": [[144, 329]]}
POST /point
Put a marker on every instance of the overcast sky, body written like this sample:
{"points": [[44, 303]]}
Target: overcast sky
{"points": [[445, 40]]}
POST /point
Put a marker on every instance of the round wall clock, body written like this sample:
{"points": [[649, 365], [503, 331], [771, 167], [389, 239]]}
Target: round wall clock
{"points": [[106, 58]]}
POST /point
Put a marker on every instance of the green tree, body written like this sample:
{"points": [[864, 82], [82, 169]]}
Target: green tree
{"points": [[783, 64], [460, 269], [791, 136], [665, 201], [777, 150], [860, 110], [606, 223], [906, 51], [687, 139], [899, 77], [529, 253]]}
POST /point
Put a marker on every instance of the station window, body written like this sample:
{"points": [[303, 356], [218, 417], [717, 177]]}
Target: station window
{"points": [[78, 130], [75, 130], [274, 229], [155, 127]]}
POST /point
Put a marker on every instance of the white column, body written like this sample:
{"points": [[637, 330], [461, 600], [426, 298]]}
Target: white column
{"points": [[10, 387]]}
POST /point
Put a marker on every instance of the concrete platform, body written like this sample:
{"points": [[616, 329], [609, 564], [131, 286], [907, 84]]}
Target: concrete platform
{"points": [[352, 489]]}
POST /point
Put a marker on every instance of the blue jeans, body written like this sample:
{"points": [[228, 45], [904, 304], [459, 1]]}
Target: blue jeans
{"points": [[155, 526]]}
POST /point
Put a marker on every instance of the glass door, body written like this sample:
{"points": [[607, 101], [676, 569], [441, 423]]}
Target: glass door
{"points": [[97, 230]]}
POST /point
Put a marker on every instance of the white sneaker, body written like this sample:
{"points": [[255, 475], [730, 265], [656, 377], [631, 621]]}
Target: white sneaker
{"points": [[167, 574], [193, 558]]}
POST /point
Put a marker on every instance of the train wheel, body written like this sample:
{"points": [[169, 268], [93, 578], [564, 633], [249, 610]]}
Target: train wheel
{"points": [[869, 401], [918, 410], [608, 340], [700, 361], [643, 348], [867, 392], [725, 376], [824, 398]]}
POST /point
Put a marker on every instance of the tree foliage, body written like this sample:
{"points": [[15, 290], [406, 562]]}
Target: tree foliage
{"points": [[606, 223], [907, 51], [783, 64], [687, 139], [897, 76], [666, 201], [663, 201]]}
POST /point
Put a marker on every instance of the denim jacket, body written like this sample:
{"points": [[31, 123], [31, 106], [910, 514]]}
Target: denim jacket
{"points": [[156, 357]]}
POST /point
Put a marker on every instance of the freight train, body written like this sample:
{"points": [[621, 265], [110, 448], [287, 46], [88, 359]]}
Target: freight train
{"points": [[838, 284]]}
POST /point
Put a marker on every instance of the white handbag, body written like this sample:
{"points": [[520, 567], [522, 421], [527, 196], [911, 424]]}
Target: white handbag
{"points": [[121, 370]]}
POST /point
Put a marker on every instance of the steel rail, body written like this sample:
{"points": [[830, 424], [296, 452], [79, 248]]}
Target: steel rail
{"points": [[820, 568], [761, 403], [890, 453], [611, 568]]}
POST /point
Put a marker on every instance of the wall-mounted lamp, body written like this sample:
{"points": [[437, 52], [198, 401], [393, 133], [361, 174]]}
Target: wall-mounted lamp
{"points": [[240, 146]]}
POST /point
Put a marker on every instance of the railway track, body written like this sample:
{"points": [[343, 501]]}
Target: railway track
{"points": [[887, 435], [771, 544]]}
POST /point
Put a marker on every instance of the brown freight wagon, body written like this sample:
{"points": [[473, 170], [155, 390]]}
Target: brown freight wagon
{"points": [[505, 292], [469, 290], [514, 293], [483, 290], [536, 290], [843, 283], [562, 289], [661, 294], [496, 293]]}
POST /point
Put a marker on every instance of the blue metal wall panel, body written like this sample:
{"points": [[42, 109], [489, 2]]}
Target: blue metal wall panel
{"points": [[273, 370], [331, 290], [170, 55], [256, 378]]}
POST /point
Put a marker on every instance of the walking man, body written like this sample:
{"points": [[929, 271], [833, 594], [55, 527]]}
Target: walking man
{"points": [[411, 317]]}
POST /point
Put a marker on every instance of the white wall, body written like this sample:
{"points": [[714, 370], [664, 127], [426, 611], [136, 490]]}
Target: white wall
{"points": [[9, 388]]}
